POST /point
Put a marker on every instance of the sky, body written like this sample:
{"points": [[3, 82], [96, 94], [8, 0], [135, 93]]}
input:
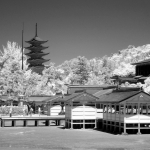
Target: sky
{"points": [[90, 28]]}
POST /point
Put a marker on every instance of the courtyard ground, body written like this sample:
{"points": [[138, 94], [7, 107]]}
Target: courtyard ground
{"points": [[57, 138]]}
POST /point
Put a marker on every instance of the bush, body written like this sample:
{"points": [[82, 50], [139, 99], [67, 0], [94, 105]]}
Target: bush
{"points": [[16, 110]]}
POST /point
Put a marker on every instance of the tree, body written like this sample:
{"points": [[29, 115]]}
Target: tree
{"points": [[12, 77], [81, 71]]}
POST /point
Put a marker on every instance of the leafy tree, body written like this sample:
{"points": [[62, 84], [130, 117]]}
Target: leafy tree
{"points": [[81, 71], [12, 77]]}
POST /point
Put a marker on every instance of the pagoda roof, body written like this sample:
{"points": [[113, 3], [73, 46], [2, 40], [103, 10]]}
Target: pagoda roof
{"points": [[31, 61], [36, 39], [39, 47], [144, 62], [37, 54]]}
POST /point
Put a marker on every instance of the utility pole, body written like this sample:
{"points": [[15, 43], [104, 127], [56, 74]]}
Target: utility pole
{"points": [[22, 44]]}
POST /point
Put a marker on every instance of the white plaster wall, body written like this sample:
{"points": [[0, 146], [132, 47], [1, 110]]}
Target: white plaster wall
{"points": [[55, 110], [83, 112]]}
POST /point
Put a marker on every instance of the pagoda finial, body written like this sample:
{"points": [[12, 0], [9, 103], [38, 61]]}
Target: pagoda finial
{"points": [[36, 30]]}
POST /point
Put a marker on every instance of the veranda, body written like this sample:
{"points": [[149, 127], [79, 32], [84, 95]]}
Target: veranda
{"points": [[128, 115]]}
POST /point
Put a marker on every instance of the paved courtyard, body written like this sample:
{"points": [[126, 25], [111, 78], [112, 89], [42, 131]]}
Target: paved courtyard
{"points": [[57, 138]]}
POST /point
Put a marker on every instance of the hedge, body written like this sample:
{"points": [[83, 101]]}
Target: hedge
{"points": [[16, 110]]}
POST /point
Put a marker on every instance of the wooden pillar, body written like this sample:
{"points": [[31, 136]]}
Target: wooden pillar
{"points": [[147, 109], [25, 123], [57, 122], [83, 118], [36, 123], [124, 114], [71, 121], [47, 122], [13, 123], [127, 109], [141, 112], [131, 109], [2, 123], [95, 117], [103, 117], [115, 118], [65, 123], [138, 113], [95, 124], [71, 124], [107, 117], [48, 108], [68, 125], [110, 118], [120, 113], [136, 109]]}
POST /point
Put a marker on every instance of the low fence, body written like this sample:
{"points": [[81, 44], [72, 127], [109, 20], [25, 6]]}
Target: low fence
{"points": [[31, 121]]}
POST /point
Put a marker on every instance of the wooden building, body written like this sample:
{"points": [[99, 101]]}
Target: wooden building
{"points": [[142, 68], [78, 105], [55, 105], [125, 111], [81, 111]]}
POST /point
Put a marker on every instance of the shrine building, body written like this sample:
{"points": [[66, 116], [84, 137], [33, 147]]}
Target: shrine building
{"points": [[142, 68], [126, 111], [78, 105]]}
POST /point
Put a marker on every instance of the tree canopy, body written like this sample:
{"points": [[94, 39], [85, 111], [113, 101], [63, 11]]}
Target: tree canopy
{"points": [[80, 70]]}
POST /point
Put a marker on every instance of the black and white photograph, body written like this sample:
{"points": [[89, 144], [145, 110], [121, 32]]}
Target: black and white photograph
{"points": [[74, 74]]}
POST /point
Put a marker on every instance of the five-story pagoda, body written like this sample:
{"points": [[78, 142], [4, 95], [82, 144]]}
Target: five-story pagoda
{"points": [[36, 53]]}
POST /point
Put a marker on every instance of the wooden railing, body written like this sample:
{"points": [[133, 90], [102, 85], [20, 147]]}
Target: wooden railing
{"points": [[128, 118]]}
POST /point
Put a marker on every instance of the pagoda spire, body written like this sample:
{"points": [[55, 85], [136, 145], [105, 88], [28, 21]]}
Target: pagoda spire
{"points": [[36, 30]]}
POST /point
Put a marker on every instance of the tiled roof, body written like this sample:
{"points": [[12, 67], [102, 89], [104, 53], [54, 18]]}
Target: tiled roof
{"points": [[141, 97], [117, 96], [102, 92], [74, 96], [124, 79], [39, 98], [89, 88], [53, 98]]}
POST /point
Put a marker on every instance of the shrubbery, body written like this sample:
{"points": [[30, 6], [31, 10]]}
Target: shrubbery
{"points": [[16, 110]]}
